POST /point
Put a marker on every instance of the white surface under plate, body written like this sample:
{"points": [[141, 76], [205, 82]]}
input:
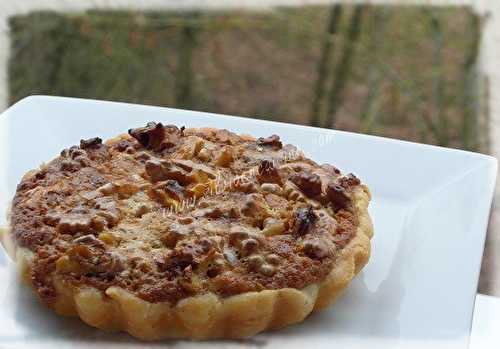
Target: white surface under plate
{"points": [[430, 210]]}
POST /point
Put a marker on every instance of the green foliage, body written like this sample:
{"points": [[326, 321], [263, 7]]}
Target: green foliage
{"points": [[260, 64]]}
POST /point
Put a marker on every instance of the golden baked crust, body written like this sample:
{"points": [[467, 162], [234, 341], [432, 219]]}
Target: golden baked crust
{"points": [[260, 253]]}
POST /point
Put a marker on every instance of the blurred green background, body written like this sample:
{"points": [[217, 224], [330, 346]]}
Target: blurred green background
{"points": [[399, 71]]}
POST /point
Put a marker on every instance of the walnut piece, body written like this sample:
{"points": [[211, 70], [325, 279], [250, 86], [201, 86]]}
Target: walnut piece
{"points": [[309, 184], [90, 143], [226, 157], [271, 141], [107, 208], [74, 223], [338, 196], [316, 248], [248, 246], [151, 136], [273, 226], [268, 173]]}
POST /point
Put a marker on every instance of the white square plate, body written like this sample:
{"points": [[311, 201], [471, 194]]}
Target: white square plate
{"points": [[430, 209]]}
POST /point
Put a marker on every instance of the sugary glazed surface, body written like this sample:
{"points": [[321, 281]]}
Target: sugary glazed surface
{"points": [[167, 213]]}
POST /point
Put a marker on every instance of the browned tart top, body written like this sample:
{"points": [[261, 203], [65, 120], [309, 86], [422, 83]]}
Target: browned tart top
{"points": [[167, 213]]}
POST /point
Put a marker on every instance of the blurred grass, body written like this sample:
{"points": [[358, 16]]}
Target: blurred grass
{"points": [[263, 64]]}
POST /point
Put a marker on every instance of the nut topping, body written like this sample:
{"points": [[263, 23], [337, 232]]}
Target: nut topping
{"points": [[225, 157], [267, 173], [90, 143], [154, 170], [271, 141], [106, 207], [236, 235], [74, 223], [255, 262], [270, 188], [172, 188], [337, 195], [248, 246], [254, 208], [309, 184], [349, 181], [267, 270], [151, 136], [215, 268], [316, 249], [273, 259]]}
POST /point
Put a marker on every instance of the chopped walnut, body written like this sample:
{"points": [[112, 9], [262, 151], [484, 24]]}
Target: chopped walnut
{"points": [[121, 146], [66, 265], [107, 189], [175, 172], [110, 263], [201, 189], [267, 173], [99, 223], [198, 145], [316, 248], [130, 150], [292, 192], [237, 234], [74, 223], [172, 188], [210, 212], [273, 226], [70, 165], [52, 218], [90, 143], [107, 208], [125, 189], [270, 188], [224, 136], [204, 154], [226, 157], [273, 259], [151, 136], [215, 268], [191, 166], [276, 202], [173, 135], [89, 239], [185, 220], [267, 269], [80, 250], [255, 262], [254, 207], [331, 169], [338, 196], [248, 246], [76, 152], [244, 186], [271, 141], [108, 238], [206, 244], [349, 181], [142, 156], [162, 170], [309, 184], [154, 170], [171, 237]]}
